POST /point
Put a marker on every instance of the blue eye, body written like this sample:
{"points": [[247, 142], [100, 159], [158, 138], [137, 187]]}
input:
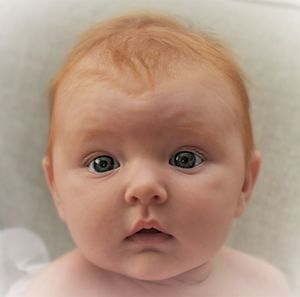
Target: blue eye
{"points": [[102, 164], [186, 159], [183, 159]]}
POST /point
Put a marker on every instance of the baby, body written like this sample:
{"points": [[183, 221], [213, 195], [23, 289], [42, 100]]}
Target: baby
{"points": [[150, 158]]}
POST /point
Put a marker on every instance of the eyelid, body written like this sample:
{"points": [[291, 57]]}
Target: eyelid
{"points": [[202, 153], [94, 155]]}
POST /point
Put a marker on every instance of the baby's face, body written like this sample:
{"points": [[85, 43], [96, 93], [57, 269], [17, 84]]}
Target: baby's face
{"points": [[174, 156]]}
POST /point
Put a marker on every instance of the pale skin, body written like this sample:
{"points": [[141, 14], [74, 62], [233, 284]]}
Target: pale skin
{"points": [[196, 205]]}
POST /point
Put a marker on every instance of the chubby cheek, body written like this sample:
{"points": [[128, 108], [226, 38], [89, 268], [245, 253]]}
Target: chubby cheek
{"points": [[207, 215], [90, 211]]}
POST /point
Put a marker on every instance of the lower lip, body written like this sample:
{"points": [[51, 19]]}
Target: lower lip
{"points": [[150, 239]]}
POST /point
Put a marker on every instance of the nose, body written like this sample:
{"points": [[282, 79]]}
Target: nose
{"points": [[146, 187]]}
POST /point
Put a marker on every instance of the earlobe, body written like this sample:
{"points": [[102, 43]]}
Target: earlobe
{"points": [[249, 182], [49, 177]]}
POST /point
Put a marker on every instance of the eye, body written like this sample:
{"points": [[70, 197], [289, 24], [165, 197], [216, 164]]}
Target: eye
{"points": [[187, 159], [102, 164]]}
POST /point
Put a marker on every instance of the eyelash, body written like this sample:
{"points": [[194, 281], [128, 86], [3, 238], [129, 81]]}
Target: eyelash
{"points": [[88, 161]]}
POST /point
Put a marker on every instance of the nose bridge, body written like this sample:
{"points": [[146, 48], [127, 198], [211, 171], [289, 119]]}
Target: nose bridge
{"points": [[145, 182]]}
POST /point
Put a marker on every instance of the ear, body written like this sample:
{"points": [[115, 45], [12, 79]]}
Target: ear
{"points": [[249, 182], [49, 176]]}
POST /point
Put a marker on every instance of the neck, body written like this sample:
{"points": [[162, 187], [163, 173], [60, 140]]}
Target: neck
{"points": [[179, 285]]}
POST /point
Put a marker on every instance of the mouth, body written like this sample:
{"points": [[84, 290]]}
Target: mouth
{"points": [[145, 231], [149, 236], [148, 233]]}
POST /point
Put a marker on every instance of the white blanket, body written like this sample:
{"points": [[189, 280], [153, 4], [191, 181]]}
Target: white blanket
{"points": [[22, 255]]}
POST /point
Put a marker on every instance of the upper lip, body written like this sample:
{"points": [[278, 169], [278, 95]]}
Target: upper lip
{"points": [[142, 224]]}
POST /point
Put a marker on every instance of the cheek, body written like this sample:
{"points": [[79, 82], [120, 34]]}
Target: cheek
{"points": [[92, 220], [90, 208], [208, 206]]}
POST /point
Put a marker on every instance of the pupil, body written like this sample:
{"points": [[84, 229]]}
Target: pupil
{"points": [[186, 159], [103, 163]]}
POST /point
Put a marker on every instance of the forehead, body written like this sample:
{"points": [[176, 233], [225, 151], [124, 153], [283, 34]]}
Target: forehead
{"points": [[202, 105]]}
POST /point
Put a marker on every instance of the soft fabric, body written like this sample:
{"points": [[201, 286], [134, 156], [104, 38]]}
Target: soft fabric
{"points": [[22, 255], [264, 36]]}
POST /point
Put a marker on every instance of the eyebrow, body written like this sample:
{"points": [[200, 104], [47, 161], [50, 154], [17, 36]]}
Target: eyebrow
{"points": [[85, 134], [90, 133]]}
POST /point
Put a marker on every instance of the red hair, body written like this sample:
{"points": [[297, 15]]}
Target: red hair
{"points": [[149, 47]]}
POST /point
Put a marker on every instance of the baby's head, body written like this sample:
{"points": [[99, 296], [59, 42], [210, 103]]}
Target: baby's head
{"points": [[149, 127]]}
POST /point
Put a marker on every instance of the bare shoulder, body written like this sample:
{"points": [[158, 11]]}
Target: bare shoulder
{"points": [[50, 277], [255, 276], [69, 275]]}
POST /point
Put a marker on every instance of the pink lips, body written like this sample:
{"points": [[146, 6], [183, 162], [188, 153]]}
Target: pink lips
{"points": [[138, 236], [151, 239]]}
